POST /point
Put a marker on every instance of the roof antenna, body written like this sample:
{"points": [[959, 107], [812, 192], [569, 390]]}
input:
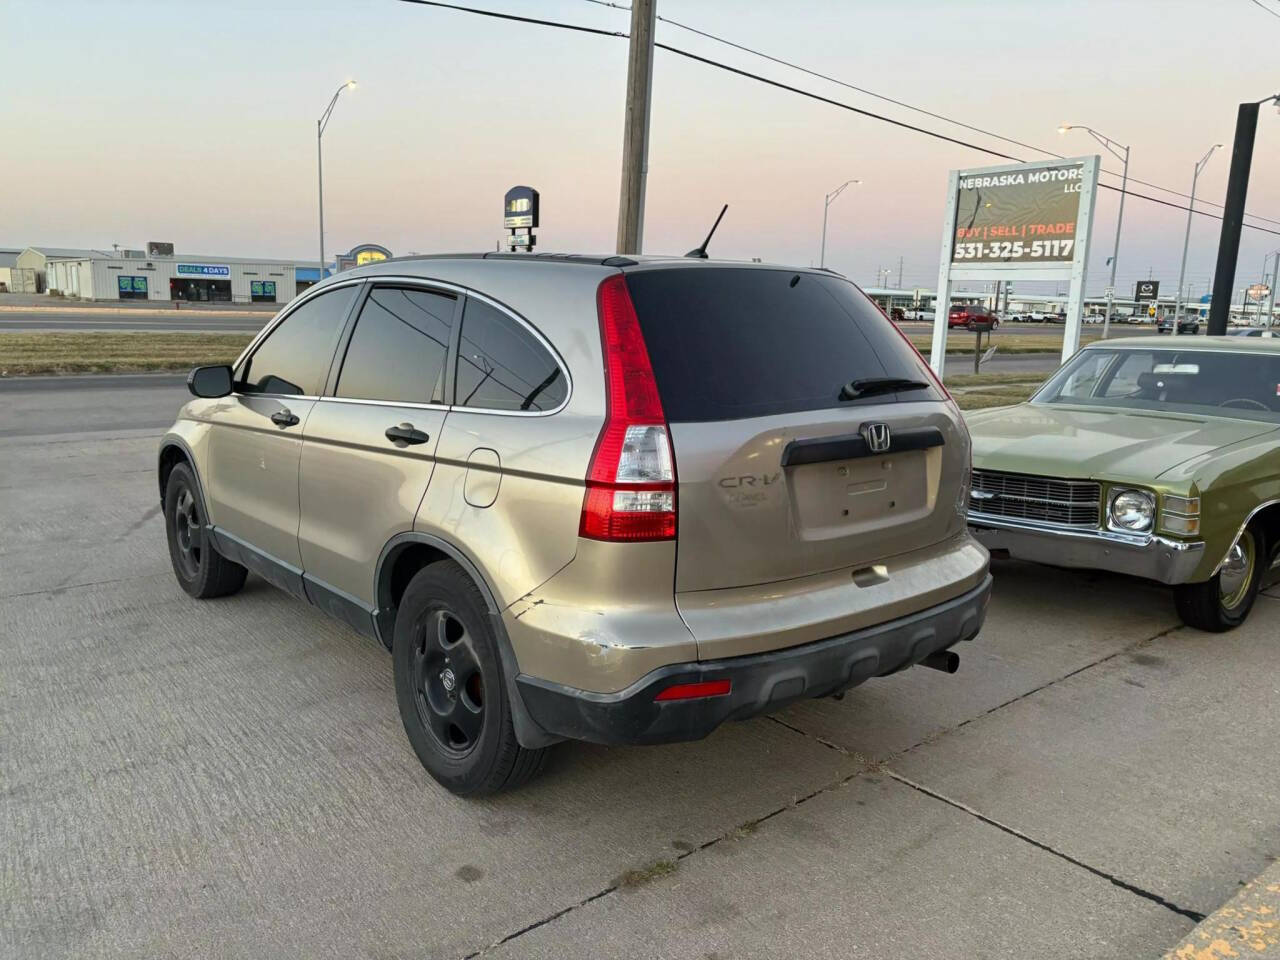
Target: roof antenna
{"points": [[700, 253]]}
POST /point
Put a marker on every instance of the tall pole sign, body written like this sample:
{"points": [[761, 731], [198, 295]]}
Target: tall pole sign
{"points": [[1025, 221], [1224, 274], [520, 217]]}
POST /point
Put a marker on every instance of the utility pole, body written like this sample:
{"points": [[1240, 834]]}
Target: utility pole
{"points": [[635, 135], [899, 273], [1224, 276], [1271, 294]]}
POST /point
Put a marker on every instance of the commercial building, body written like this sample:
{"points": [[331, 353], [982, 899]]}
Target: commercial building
{"points": [[158, 273], [8, 261], [132, 275]]}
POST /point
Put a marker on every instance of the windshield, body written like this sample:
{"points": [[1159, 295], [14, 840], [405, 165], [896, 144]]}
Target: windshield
{"points": [[1245, 385]]}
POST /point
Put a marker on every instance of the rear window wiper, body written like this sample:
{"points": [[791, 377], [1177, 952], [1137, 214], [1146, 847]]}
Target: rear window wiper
{"points": [[856, 389]]}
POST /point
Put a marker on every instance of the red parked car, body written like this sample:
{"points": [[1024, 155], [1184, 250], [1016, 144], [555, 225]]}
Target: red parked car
{"points": [[969, 316]]}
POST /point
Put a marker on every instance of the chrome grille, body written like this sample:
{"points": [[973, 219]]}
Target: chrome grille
{"points": [[1070, 503]]}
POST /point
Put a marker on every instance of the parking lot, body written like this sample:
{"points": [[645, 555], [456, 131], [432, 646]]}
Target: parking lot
{"points": [[230, 778]]}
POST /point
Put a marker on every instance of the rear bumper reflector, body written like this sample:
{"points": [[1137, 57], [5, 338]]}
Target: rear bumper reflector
{"points": [[692, 691]]}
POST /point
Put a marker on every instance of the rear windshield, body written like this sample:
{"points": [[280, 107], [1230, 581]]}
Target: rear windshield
{"points": [[728, 343]]}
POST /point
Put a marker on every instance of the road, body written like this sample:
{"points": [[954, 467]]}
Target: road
{"points": [[206, 321], [923, 328], [84, 318], [229, 778]]}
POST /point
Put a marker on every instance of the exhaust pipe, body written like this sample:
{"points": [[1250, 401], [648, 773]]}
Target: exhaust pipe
{"points": [[948, 661]]}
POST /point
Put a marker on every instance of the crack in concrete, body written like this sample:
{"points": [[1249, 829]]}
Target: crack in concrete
{"points": [[871, 767], [76, 586], [1129, 648], [1192, 915], [745, 828]]}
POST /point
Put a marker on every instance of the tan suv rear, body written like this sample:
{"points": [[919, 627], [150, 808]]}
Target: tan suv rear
{"points": [[611, 499]]}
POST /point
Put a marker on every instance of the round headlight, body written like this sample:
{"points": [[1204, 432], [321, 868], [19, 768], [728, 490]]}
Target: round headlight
{"points": [[1133, 510]]}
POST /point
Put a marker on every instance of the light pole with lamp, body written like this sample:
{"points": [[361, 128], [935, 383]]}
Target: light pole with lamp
{"points": [[822, 257], [320, 125], [1115, 148], [1182, 270]]}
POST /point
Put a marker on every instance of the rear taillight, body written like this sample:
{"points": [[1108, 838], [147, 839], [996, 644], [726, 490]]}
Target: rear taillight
{"points": [[631, 490]]}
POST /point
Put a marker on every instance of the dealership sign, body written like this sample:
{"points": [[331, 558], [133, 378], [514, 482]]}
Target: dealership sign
{"points": [[1021, 221], [1146, 290], [203, 270], [1018, 216]]}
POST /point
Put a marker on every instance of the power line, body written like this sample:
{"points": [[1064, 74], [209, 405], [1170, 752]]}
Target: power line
{"points": [[1258, 3], [805, 93], [930, 133], [907, 106], [518, 19]]}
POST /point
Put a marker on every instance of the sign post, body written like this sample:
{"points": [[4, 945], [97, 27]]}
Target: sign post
{"points": [[1025, 221]]}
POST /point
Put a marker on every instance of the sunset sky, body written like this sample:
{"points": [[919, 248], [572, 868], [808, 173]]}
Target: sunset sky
{"points": [[194, 123]]}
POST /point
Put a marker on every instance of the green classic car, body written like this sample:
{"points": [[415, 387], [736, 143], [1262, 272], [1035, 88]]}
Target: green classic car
{"points": [[1144, 457]]}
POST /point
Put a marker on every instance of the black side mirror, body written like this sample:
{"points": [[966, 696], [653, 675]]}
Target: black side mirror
{"points": [[210, 381]]}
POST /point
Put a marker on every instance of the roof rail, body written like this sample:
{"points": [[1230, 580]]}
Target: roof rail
{"points": [[599, 260]]}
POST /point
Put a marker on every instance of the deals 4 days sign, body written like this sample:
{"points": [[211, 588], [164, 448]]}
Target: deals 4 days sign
{"points": [[1029, 215]]}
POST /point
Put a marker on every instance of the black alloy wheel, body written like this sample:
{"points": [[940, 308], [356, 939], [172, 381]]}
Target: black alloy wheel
{"points": [[188, 532], [448, 686]]}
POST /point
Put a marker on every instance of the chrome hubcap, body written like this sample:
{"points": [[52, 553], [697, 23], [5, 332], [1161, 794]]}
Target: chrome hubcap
{"points": [[1237, 572]]}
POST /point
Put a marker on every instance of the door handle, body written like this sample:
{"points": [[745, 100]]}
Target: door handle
{"points": [[284, 418], [406, 434]]}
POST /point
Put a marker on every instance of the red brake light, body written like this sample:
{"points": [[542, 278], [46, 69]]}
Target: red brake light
{"points": [[631, 480], [695, 691]]}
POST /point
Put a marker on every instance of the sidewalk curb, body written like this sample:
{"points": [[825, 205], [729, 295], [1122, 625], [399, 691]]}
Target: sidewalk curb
{"points": [[1247, 925]]}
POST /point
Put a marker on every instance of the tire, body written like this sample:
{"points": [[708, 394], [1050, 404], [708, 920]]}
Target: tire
{"points": [[451, 688], [200, 570], [1223, 601]]}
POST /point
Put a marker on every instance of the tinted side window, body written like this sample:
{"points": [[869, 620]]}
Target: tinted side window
{"points": [[728, 343], [398, 349], [294, 358], [502, 366]]}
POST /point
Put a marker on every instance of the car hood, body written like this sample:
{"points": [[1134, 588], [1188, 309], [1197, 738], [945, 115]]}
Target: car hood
{"points": [[1089, 443]]}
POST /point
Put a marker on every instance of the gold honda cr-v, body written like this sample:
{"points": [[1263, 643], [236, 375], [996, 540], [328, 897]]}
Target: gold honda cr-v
{"points": [[600, 498]]}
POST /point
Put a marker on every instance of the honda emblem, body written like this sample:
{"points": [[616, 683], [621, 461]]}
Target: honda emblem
{"points": [[877, 436]]}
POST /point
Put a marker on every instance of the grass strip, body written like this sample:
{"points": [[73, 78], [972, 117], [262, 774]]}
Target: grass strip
{"points": [[994, 379], [25, 354], [982, 399]]}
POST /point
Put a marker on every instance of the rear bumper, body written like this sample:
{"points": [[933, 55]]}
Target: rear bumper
{"points": [[759, 683], [1139, 555]]}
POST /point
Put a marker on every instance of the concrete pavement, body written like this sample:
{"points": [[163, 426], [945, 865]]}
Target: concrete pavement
{"points": [[230, 778]]}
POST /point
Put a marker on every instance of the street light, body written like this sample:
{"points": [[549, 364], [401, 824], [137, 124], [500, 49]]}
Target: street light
{"points": [[822, 257], [1182, 270], [1114, 147], [320, 125]]}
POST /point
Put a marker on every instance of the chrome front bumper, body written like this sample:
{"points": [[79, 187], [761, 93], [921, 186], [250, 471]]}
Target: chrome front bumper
{"points": [[1139, 555]]}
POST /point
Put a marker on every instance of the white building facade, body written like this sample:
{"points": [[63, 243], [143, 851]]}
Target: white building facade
{"points": [[103, 276]]}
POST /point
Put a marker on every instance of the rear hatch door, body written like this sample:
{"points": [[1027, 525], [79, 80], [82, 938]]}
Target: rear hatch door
{"points": [[780, 474]]}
